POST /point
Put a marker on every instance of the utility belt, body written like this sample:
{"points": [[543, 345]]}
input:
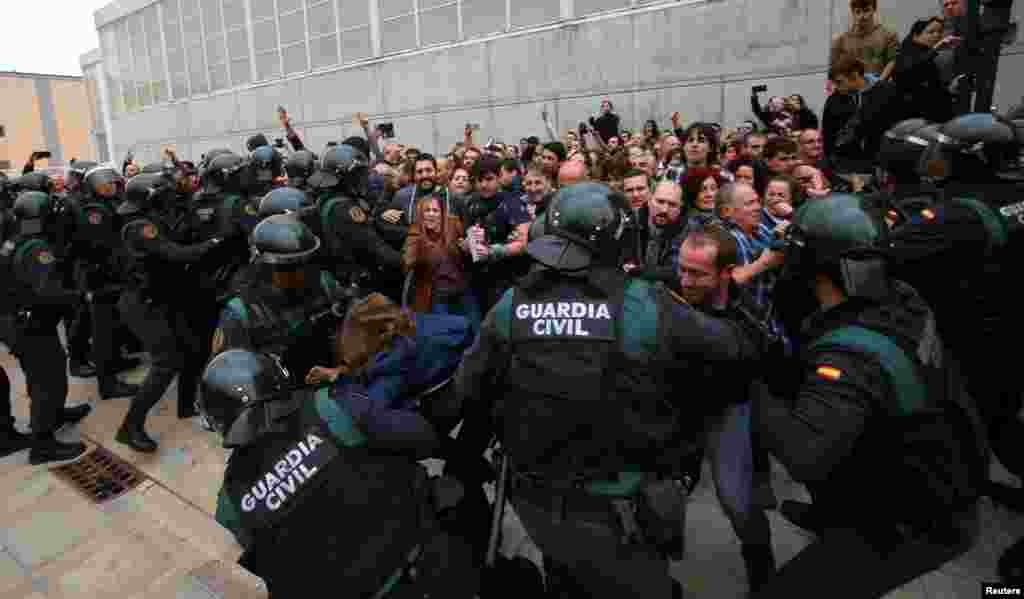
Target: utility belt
{"points": [[647, 508]]}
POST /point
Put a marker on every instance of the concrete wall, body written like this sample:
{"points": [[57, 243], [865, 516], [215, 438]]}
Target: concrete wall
{"points": [[700, 59]]}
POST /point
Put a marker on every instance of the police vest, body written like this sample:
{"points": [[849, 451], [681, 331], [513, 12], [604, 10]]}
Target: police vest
{"points": [[559, 412], [16, 295], [930, 443], [329, 207]]}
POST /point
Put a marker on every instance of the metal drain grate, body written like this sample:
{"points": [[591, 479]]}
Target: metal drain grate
{"points": [[100, 475]]}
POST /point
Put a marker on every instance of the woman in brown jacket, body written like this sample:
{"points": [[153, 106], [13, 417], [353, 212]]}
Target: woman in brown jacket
{"points": [[434, 254]]}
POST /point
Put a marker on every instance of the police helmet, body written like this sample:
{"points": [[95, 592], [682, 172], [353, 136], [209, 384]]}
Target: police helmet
{"points": [[239, 390], [103, 182], [76, 173], [256, 141], [282, 200], [145, 192], [164, 168], [902, 147], [582, 221], [33, 205], [979, 144], [34, 181], [300, 167], [282, 240], [342, 164], [222, 173], [265, 163]]}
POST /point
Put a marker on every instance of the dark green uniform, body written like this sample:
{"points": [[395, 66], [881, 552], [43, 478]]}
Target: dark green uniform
{"points": [[354, 245]]}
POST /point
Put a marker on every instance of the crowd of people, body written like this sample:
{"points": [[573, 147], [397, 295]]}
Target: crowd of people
{"points": [[601, 312]]}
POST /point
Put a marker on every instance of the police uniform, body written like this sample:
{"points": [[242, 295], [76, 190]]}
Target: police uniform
{"points": [[154, 310], [322, 505], [879, 428], [579, 372], [33, 303]]}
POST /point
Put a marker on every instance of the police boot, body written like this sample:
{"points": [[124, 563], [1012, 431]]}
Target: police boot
{"points": [[134, 435], [1011, 564], [760, 563], [74, 415], [46, 448], [112, 387], [12, 440], [81, 368], [801, 514]]}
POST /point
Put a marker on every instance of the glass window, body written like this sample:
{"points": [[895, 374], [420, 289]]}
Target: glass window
{"points": [[294, 59], [179, 85], [189, 8], [356, 44], [212, 23], [264, 35], [234, 13], [354, 12], [397, 34], [483, 17], [238, 44], [586, 7], [425, 4], [293, 28], [145, 95], [268, 66], [284, 6], [218, 77], [128, 89], [321, 19], [159, 92], [152, 21], [241, 72], [172, 35], [215, 50], [262, 9], [170, 11], [393, 8], [324, 51], [193, 34], [439, 25], [176, 60], [197, 72], [526, 13]]}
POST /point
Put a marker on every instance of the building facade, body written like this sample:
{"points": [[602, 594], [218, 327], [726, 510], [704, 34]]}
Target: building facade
{"points": [[43, 112], [198, 74]]}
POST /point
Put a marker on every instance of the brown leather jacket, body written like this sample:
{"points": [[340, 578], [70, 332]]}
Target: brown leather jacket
{"points": [[415, 260]]}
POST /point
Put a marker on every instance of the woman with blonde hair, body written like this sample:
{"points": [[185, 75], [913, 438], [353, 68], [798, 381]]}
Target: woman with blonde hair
{"points": [[436, 258]]}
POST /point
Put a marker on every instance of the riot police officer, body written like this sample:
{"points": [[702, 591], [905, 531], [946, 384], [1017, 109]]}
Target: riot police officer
{"points": [[351, 241], [284, 310], [578, 365], [33, 303], [264, 168], [318, 496], [299, 167], [879, 427], [154, 309], [93, 228]]}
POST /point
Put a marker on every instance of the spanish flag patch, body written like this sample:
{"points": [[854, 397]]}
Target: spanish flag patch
{"points": [[830, 373], [927, 213]]}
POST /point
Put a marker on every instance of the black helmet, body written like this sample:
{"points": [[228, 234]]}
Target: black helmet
{"points": [[342, 166], [902, 147], [76, 173], [282, 240], [222, 173], [241, 395], [32, 210], [6, 193], [265, 165], [103, 183], [282, 200], [165, 168], [256, 141], [145, 192], [34, 181], [582, 222], [980, 145], [300, 167]]}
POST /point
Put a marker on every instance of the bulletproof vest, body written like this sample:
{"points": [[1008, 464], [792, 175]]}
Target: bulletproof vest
{"points": [[926, 443], [560, 412], [318, 497], [15, 295], [214, 215]]}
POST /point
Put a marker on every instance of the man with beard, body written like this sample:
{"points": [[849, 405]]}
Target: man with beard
{"points": [[654, 245], [393, 220]]}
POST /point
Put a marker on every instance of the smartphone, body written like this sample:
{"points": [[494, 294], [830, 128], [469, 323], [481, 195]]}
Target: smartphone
{"points": [[43, 154], [387, 130]]}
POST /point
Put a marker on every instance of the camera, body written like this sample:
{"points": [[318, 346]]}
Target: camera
{"points": [[759, 89], [387, 130]]}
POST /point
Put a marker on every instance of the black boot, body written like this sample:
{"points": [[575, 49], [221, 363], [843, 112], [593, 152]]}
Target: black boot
{"points": [[113, 387], [13, 441], [82, 369], [46, 448], [74, 415], [135, 436], [802, 515], [760, 563]]}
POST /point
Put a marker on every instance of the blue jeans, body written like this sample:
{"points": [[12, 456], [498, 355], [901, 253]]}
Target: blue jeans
{"points": [[730, 448], [465, 305]]}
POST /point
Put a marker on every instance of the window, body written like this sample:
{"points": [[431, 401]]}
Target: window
{"points": [[354, 27], [237, 42], [175, 50], [439, 22], [264, 40], [112, 68], [157, 62], [216, 45], [195, 54], [3, 131], [323, 33], [586, 7], [292, 31], [483, 17], [527, 13]]}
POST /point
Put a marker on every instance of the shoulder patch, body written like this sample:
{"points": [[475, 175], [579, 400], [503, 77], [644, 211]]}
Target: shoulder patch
{"points": [[357, 214], [829, 372], [45, 257], [928, 214], [149, 231]]}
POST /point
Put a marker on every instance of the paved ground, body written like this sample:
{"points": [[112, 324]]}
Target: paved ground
{"points": [[160, 540]]}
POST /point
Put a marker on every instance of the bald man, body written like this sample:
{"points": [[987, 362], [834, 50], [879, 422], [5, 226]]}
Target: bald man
{"points": [[571, 172], [656, 239]]}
